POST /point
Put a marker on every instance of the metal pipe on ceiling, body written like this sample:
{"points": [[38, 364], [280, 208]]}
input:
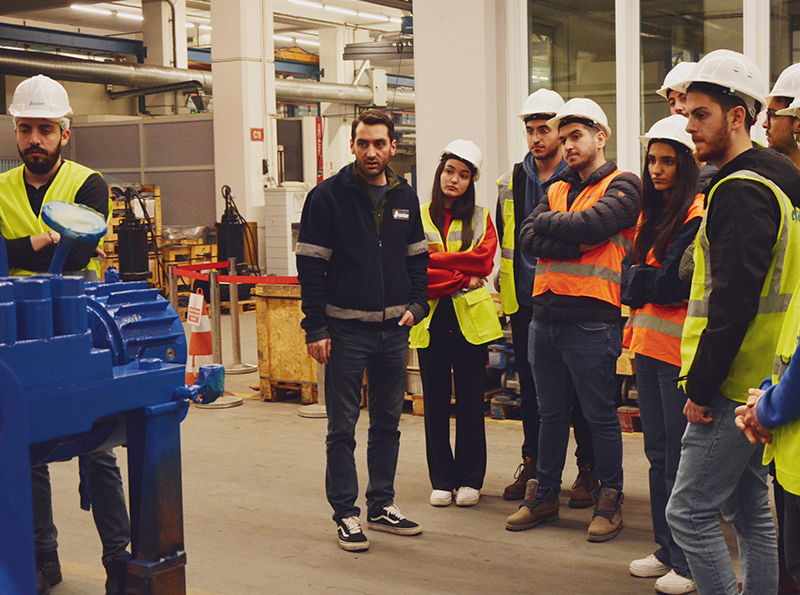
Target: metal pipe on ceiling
{"points": [[19, 63]]}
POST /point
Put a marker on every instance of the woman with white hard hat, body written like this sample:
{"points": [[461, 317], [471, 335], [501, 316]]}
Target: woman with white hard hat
{"points": [[462, 321], [670, 218]]}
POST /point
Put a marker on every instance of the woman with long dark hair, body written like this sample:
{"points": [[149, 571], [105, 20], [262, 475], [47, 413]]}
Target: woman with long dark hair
{"points": [[452, 341], [671, 215]]}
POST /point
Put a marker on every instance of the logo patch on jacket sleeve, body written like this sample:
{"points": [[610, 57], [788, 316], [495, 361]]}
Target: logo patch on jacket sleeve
{"points": [[401, 214]]}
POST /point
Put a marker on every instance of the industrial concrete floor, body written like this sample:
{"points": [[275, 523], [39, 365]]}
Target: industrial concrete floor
{"points": [[257, 522]]}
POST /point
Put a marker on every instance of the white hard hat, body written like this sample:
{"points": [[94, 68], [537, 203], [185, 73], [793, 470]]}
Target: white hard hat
{"points": [[40, 97], [679, 73], [670, 128], [733, 71], [543, 101], [581, 107], [792, 110], [465, 150], [788, 83]]}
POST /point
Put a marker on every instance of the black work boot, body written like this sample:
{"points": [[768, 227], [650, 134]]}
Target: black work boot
{"points": [[116, 574], [48, 572]]}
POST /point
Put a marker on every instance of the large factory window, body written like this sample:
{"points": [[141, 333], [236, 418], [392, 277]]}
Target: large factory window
{"points": [[673, 32], [784, 47], [572, 51]]}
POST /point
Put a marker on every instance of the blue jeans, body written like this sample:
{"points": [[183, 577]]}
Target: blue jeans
{"points": [[382, 350], [721, 472], [663, 423], [585, 353], [109, 509]]}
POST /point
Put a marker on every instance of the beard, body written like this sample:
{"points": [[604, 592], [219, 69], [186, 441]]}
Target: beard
{"points": [[38, 160], [717, 144], [371, 174]]}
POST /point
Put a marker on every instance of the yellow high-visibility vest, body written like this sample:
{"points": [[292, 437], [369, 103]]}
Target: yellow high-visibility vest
{"points": [[17, 219], [508, 288], [756, 355], [474, 308]]}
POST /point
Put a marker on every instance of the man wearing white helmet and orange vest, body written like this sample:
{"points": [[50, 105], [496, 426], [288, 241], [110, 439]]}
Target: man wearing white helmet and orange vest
{"points": [[519, 192], [41, 127], [580, 235], [747, 264]]}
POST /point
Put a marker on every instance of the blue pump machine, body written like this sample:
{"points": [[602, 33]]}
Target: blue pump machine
{"points": [[85, 367]]}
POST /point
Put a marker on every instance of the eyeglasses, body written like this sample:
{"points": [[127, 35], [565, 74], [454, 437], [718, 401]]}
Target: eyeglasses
{"points": [[771, 113]]}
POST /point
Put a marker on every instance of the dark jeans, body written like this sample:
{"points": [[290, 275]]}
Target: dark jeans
{"points": [[529, 407], [382, 350], [450, 351], [108, 507], [585, 353], [791, 533], [661, 405]]}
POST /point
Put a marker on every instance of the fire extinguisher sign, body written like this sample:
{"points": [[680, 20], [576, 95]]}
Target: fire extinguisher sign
{"points": [[320, 173]]}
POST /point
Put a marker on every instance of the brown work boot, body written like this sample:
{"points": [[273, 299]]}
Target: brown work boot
{"points": [[607, 520], [525, 471], [585, 484], [533, 510]]}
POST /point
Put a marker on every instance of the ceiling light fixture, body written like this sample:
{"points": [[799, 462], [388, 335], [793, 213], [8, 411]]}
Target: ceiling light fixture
{"points": [[282, 38], [341, 10], [310, 42], [130, 16], [204, 27], [396, 20], [91, 9], [372, 15], [306, 3]]}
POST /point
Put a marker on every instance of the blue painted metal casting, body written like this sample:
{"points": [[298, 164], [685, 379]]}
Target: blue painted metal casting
{"points": [[84, 367]]}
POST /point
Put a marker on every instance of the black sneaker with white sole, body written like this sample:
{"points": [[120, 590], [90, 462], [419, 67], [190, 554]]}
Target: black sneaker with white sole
{"points": [[391, 520], [351, 536]]}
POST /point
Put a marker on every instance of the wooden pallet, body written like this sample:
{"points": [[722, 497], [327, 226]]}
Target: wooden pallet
{"points": [[244, 306], [279, 390]]}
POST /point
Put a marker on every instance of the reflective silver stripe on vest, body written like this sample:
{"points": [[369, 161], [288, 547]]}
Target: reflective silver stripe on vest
{"points": [[365, 315], [621, 241], [313, 251], [507, 253], [774, 302], [779, 367], [580, 270], [432, 237], [478, 223], [654, 323], [417, 248]]}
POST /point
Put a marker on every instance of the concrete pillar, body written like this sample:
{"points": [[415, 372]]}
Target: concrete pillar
{"points": [[336, 117], [461, 88], [244, 97], [157, 35]]}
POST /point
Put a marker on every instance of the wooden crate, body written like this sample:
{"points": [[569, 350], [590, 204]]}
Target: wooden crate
{"points": [[282, 355]]}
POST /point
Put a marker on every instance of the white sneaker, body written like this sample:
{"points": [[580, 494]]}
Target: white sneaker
{"points": [[675, 584], [466, 496], [441, 498], [648, 567]]}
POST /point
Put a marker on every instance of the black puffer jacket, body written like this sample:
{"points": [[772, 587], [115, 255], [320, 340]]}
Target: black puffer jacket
{"points": [[558, 236]]}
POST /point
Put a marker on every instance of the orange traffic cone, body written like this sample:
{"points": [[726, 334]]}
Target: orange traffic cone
{"points": [[200, 349]]}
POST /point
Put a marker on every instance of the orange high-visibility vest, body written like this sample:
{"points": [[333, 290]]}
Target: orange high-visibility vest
{"points": [[655, 330], [596, 273]]}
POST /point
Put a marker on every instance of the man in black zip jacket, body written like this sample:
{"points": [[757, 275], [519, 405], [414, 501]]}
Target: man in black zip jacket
{"points": [[362, 262]]}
